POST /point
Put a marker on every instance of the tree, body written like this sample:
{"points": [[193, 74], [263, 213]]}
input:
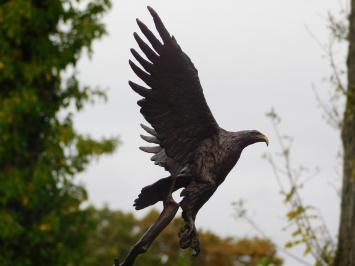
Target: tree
{"points": [[41, 221], [243, 252], [343, 118], [115, 232], [346, 241], [304, 220]]}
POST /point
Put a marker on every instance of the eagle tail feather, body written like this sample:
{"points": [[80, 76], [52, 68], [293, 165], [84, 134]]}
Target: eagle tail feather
{"points": [[158, 191]]}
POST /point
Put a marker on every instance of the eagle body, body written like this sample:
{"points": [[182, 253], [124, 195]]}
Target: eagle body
{"points": [[190, 145], [213, 160], [216, 156]]}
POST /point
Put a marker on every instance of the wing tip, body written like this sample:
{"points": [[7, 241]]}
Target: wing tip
{"points": [[132, 84], [164, 33], [139, 22], [150, 9], [150, 139], [134, 53], [153, 13], [144, 149], [149, 130], [151, 149], [132, 65]]}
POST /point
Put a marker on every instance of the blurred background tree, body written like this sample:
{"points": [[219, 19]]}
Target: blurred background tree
{"points": [[116, 231], [41, 221], [306, 222], [346, 241]]}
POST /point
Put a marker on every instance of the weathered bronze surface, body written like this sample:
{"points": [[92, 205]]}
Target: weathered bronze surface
{"points": [[191, 146]]}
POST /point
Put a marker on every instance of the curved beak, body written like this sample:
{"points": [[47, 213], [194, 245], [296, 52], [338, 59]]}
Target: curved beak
{"points": [[263, 138]]}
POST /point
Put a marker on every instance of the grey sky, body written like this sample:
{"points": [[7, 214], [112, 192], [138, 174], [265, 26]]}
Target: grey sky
{"points": [[251, 56]]}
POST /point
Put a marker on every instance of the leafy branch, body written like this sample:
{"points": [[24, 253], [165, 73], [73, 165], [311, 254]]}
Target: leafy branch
{"points": [[241, 212], [338, 37], [309, 227], [306, 223]]}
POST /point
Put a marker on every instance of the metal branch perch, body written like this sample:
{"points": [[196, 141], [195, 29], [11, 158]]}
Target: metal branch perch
{"points": [[142, 245]]}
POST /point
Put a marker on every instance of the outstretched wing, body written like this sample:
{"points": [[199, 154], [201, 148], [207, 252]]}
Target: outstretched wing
{"points": [[174, 105]]}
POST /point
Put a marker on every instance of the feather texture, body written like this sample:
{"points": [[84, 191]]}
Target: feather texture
{"points": [[174, 105]]}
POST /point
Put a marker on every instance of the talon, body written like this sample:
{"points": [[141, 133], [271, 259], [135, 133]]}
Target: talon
{"points": [[185, 237], [185, 242], [183, 231], [189, 238], [195, 252], [195, 245], [188, 234]]}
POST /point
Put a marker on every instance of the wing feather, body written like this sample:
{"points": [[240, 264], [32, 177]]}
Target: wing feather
{"points": [[151, 55], [149, 130], [150, 139], [175, 105], [142, 91], [150, 36], [141, 74], [144, 63]]}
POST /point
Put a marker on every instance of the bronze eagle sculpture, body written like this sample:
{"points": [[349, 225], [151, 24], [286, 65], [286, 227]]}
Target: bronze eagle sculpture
{"points": [[191, 146]]}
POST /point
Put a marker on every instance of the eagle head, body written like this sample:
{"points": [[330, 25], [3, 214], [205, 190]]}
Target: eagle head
{"points": [[248, 137]]}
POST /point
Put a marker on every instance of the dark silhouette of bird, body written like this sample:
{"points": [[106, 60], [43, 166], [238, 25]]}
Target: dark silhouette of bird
{"points": [[190, 145]]}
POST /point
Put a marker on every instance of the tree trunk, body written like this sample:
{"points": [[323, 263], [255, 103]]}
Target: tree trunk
{"points": [[346, 242]]}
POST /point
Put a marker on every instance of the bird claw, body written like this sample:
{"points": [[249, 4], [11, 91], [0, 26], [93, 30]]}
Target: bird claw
{"points": [[189, 238], [195, 245]]}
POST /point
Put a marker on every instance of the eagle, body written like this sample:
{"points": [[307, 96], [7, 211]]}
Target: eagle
{"points": [[190, 145]]}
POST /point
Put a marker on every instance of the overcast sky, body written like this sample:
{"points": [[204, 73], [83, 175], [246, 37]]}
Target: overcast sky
{"points": [[251, 56]]}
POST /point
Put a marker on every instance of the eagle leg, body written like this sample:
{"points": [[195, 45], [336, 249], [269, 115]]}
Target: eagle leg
{"points": [[195, 195], [166, 216], [188, 234]]}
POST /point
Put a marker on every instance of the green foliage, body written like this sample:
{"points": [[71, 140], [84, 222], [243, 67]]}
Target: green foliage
{"points": [[41, 222], [307, 226], [116, 232], [306, 222]]}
